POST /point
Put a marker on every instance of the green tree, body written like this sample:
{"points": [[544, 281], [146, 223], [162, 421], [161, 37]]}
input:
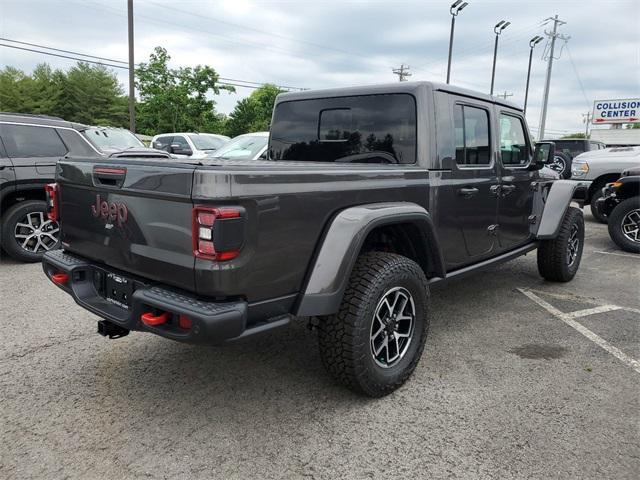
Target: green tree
{"points": [[574, 135], [173, 100], [87, 94], [253, 114]]}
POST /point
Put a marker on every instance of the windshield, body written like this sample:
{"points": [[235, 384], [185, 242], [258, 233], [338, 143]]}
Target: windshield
{"points": [[207, 142], [112, 138], [245, 147]]}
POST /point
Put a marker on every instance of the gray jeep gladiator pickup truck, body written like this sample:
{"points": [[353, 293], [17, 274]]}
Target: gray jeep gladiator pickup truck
{"points": [[369, 196]]}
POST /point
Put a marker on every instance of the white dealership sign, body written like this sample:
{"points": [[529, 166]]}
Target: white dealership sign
{"points": [[616, 111]]}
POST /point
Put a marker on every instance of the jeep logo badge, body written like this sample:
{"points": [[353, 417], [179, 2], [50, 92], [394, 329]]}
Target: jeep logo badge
{"points": [[112, 212]]}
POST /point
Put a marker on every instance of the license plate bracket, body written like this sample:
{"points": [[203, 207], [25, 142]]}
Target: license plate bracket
{"points": [[118, 290]]}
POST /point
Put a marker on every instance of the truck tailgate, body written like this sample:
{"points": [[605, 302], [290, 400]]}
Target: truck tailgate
{"points": [[133, 215]]}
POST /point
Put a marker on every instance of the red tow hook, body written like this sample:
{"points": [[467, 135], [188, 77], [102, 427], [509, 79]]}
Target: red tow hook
{"points": [[152, 320], [60, 278]]}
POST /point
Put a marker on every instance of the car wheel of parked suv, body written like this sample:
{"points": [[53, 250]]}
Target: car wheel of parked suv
{"points": [[599, 216], [559, 258], [27, 232], [624, 225], [374, 342]]}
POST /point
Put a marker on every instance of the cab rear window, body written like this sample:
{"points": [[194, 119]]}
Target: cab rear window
{"points": [[357, 129]]}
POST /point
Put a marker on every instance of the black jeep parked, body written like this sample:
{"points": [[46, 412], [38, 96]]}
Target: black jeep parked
{"points": [[620, 203], [30, 146], [569, 148]]}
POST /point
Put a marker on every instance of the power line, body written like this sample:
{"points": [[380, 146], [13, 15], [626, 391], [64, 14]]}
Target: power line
{"points": [[61, 50], [575, 70], [225, 81]]}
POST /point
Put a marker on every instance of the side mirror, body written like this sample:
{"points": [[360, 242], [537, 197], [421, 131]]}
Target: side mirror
{"points": [[543, 154], [179, 150]]}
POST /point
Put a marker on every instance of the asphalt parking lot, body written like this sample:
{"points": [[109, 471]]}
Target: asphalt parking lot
{"points": [[520, 379]]}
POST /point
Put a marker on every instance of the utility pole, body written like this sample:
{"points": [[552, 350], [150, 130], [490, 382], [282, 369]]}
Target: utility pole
{"points": [[545, 96], [586, 118], [402, 72], [132, 93], [504, 95]]}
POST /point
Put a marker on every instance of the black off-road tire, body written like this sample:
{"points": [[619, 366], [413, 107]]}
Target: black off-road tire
{"points": [[16, 214], [554, 254], [345, 338], [594, 209], [616, 219]]}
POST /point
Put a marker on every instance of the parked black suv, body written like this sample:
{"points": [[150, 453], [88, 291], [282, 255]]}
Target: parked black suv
{"points": [[30, 146], [569, 148], [620, 204], [369, 196]]}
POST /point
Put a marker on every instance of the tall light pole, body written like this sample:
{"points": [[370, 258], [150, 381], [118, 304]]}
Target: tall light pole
{"points": [[532, 43], [500, 26], [132, 94], [455, 9]]}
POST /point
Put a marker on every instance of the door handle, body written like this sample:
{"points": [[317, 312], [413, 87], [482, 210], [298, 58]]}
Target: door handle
{"points": [[507, 189], [468, 192]]}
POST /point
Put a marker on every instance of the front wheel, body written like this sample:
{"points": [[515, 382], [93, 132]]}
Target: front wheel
{"points": [[374, 342], [559, 258], [624, 225]]}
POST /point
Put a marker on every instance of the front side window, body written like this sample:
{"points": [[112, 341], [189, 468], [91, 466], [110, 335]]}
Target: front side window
{"points": [[357, 129], [514, 148], [30, 141], [471, 126]]}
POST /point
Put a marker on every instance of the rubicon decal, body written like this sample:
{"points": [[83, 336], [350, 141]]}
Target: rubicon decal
{"points": [[112, 211]]}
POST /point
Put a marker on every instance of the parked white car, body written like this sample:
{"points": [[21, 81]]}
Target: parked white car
{"points": [[192, 145], [596, 168], [250, 146]]}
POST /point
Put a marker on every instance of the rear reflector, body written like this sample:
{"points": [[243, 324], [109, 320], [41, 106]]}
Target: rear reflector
{"points": [[185, 322], [51, 190], [60, 278], [209, 220]]}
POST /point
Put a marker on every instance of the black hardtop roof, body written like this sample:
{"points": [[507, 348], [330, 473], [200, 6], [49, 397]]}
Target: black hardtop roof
{"points": [[397, 87], [31, 119]]}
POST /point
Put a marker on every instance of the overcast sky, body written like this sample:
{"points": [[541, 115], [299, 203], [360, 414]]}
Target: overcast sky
{"points": [[318, 44]]}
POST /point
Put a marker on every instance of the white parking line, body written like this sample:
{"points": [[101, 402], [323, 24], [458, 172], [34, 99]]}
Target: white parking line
{"points": [[569, 320], [637, 257], [592, 311]]}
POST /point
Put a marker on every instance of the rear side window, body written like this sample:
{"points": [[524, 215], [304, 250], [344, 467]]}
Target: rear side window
{"points": [[359, 129], [30, 141], [471, 126], [514, 149], [163, 143]]}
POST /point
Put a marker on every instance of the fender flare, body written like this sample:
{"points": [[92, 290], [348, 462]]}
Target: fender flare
{"points": [[551, 205], [344, 238]]}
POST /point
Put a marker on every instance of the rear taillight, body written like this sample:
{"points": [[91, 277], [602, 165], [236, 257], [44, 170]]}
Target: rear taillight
{"points": [[51, 190], [218, 233]]}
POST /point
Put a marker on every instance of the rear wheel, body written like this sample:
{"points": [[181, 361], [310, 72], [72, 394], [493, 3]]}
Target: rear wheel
{"points": [[559, 258], [27, 232], [374, 342], [624, 225]]}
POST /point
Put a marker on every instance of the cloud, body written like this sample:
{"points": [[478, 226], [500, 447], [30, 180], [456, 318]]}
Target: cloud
{"points": [[350, 42]]}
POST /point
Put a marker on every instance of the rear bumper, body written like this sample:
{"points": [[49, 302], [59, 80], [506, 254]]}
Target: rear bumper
{"points": [[212, 323]]}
